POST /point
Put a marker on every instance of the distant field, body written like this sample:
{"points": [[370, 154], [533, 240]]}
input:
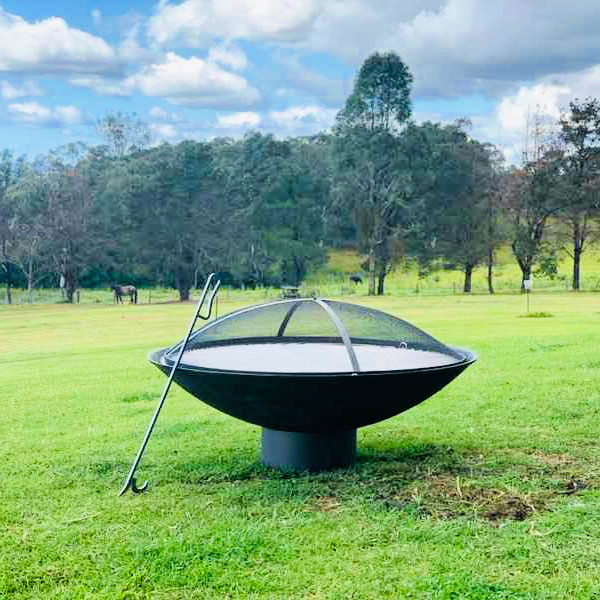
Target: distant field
{"points": [[333, 280], [491, 489], [405, 279], [145, 296]]}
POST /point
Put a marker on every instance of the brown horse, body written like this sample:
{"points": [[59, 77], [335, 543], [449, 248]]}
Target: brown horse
{"points": [[122, 290]]}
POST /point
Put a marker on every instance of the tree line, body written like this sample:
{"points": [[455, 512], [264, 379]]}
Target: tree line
{"points": [[263, 211]]}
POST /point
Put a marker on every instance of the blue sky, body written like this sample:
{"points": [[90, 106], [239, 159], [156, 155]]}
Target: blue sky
{"points": [[204, 68]]}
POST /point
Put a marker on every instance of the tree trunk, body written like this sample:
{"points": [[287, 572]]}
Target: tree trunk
{"points": [[30, 280], [8, 292], [69, 272], [490, 271], [468, 276], [381, 280], [7, 268], [372, 271], [183, 282], [299, 270], [184, 274], [526, 274], [577, 267], [70, 286], [29, 289], [70, 292], [578, 241]]}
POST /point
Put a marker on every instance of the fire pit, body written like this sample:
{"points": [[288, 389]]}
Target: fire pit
{"points": [[310, 372]]}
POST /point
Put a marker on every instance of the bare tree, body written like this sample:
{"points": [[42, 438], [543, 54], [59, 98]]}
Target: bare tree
{"points": [[7, 217], [30, 248], [496, 231], [72, 227], [532, 194], [123, 133]]}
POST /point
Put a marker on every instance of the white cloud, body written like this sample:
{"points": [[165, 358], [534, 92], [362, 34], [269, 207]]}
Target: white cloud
{"points": [[33, 113], [194, 22], [352, 29], [581, 84], [185, 81], [165, 126], [303, 120], [492, 45], [547, 98], [69, 115], [163, 131], [446, 43], [228, 56], [239, 120], [326, 90], [508, 126], [129, 49], [105, 86], [51, 46], [8, 91], [514, 111], [156, 112], [131, 52], [460, 46], [193, 82]]}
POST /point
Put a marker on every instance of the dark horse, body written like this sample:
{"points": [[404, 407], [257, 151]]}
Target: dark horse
{"points": [[122, 290]]}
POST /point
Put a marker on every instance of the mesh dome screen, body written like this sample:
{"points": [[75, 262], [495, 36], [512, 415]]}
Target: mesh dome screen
{"points": [[310, 336], [297, 318], [370, 324]]}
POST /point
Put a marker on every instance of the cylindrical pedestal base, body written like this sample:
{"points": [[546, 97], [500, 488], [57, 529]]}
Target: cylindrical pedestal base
{"points": [[308, 451]]}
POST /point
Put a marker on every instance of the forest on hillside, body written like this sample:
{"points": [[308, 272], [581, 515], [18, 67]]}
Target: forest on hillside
{"points": [[263, 211]]}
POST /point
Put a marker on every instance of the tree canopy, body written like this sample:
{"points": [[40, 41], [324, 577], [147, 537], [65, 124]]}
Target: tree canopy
{"points": [[263, 211]]}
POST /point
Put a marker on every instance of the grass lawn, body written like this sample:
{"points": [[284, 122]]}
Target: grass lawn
{"points": [[491, 489]]}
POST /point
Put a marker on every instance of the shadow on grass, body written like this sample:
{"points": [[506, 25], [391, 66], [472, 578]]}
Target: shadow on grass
{"points": [[423, 479]]}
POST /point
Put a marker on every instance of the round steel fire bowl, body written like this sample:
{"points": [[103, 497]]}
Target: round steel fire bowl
{"points": [[312, 402], [313, 367]]}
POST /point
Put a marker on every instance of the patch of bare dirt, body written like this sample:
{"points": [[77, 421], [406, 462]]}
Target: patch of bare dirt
{"points": [[510, 507], [325, 504], [438, 482], [554, 460], [446, 497]]}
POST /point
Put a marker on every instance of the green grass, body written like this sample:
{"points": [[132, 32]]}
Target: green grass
{"points": [[491, 489]]}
